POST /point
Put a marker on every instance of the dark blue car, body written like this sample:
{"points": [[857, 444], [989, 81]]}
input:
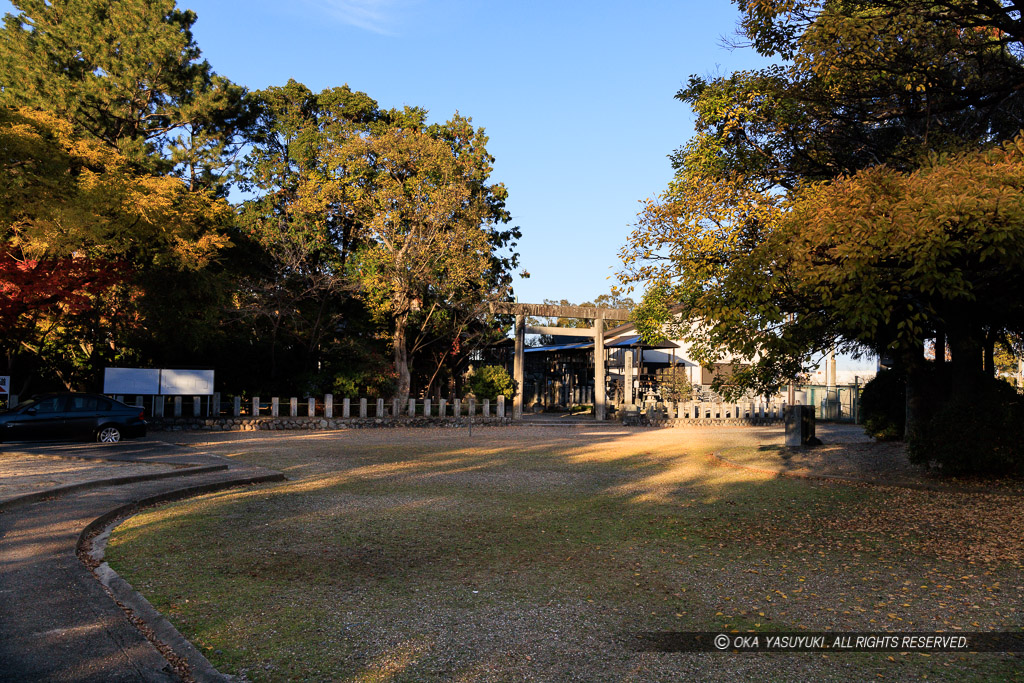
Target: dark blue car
{"points": [[55, 417]]}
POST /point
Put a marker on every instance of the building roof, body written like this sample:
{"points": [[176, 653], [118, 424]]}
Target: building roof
{"points": [[631, 341]]}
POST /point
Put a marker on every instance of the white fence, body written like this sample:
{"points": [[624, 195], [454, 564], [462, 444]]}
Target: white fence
{"points": [[326, 407]]}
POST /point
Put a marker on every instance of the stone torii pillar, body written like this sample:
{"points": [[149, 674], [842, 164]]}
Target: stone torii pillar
{"points": [[518, 372], [599, 381]]}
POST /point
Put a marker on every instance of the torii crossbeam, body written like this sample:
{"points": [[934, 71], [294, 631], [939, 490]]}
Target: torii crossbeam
{"points": [[598, 315]]}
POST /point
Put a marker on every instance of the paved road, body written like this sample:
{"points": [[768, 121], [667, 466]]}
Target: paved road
{"points": [[57, 622]]}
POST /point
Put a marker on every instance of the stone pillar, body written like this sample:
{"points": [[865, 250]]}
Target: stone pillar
{"points": [[487, 407], [329, 406], [760, 411], [362, 407], [275, 406], [255, 406], [197, 406], [311, 409], [236, 407], [458, 407], [396, 407], [627, 376], [177, 406], [426, 407], [293, 407], [346, 408], [380, 407], [214, 410], [800, 426], [501, 406], [158, 406], [682, 410], [471, 408], [442, 408], [12, 401], [518, 372], [138, 401], [412, 407], [599, 398]]}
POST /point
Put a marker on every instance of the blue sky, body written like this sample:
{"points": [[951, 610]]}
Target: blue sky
{"points": [[577, 97]]}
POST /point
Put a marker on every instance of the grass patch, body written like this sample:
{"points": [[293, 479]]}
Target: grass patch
{"points": [[424, 555]]}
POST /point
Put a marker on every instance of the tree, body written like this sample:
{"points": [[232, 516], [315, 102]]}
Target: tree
{"points": [[322, 171], [422, 230], [127, 73], [869, 83], [78, 226]]}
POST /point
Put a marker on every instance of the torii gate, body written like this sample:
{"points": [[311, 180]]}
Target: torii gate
{"points": [[598, 315]]}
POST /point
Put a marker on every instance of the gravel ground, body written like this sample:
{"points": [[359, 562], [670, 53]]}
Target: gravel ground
{"points": [[22, 473], [531, 553]]}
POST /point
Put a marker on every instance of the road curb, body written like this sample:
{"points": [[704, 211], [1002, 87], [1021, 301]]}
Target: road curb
{"points": [[164, 636]]}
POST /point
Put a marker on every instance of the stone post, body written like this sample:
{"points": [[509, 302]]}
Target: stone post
{"points": [[138, 401], [799, 425], [362, 407], [346, 408], [236, 406], [487, 407], [426, 407], [412, 407], [501, 406], [158, 406], [329, 406], [396, 407], [215, 406], [599, 398], [458, 407], [518, 373], [311, 409], [472, 406], [380, 407], [197, 405], [293, 407], [275, 406], [255, 406], [442, 408], [682, 410], [177, 406], [627, 378]]}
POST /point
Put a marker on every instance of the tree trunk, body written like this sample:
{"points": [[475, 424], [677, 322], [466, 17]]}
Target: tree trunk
{"points": [[917, 413], [940, 348], [990, 353], [401, 360], [967, 370]]}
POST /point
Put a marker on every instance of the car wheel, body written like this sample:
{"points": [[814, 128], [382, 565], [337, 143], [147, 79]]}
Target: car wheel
{"points": [[108, 434]]}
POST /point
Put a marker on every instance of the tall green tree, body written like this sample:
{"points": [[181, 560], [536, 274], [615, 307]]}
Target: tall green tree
{"points": [[130, 74], [363, 211]]}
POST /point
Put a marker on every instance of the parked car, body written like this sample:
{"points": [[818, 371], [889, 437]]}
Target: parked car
{"points": [[66, 416]]}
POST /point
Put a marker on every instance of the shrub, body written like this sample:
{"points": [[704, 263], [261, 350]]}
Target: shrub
{"points": [[978, 434], [491, 381], [675, 386], [883, 405]]}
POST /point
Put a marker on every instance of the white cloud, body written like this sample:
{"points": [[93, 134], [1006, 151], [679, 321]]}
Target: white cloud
{"points": [[377, 16]]}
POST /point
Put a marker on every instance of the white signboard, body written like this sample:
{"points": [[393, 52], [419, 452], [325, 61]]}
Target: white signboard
{"points": [[137, 381], [5, 385], [186, 382]]}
